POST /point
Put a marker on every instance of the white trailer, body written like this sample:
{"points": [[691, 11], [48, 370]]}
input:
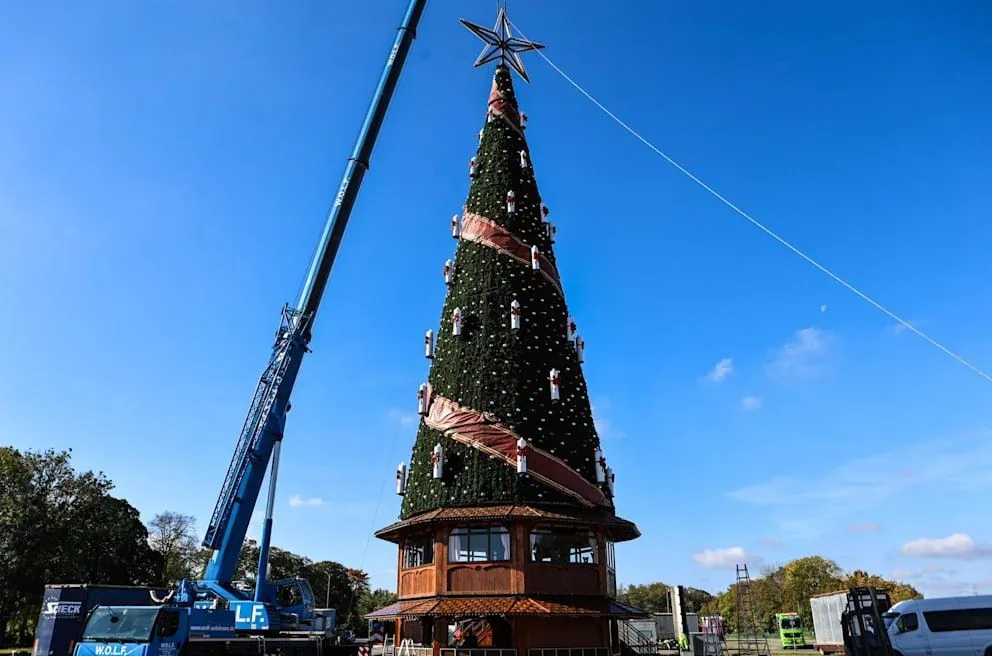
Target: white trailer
{"points": [[827, 611]]}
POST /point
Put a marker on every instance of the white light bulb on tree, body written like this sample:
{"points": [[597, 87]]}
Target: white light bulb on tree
{"points": [[545, 212], [422, 399], [473, 168], [535, 258], [521, 456], [437, 461], [600, 465], [449, 272], [523, 159], [511, 202], [570, 329], [515, 315], [580, 349], [555, 379], [401, 479], [456, 322], [429, 344], [456, 227]]}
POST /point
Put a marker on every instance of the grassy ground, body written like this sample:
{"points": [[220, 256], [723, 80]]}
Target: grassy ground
{"points": [[775, 646]]}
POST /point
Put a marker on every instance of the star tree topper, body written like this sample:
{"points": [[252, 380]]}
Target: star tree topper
{"points": [[501, 45]]}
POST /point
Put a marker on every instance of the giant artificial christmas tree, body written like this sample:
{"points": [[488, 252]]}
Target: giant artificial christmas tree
{"points": [[507, 512]]}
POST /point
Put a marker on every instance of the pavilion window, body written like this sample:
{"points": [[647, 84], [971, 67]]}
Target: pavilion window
{"points": [[418, 551], [474, 544], [559, 545], [611, 570]]}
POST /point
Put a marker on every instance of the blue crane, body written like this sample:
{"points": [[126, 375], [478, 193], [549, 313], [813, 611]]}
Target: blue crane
{"points": [[262, 433], [213, 616]]}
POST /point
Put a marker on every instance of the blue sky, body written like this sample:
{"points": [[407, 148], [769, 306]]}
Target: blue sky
{"points": [[165, 169]]}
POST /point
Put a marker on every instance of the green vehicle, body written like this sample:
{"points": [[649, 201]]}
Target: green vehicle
{"points": [[790, 630]]}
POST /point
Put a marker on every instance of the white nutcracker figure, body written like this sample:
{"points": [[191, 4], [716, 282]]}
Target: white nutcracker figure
{"points": [[523, 159], [552, 231], [570, 329], [580, 349], [611, 479], [422, 399], [480, 134], [437, 461], [456, 227], [555, 379], [429, 344], [449, 272], [522, 456], [511, 202], [535, 258], [401, 479], [473, 168], [456, 322], [545, 212], [523, 121], [600, 466], [515, 315]]}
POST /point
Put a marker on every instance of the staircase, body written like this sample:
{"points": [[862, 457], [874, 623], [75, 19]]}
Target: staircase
{"points": [[634, 642], [751, 640]]}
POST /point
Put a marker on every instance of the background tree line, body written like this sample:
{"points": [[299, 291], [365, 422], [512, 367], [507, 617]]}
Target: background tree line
{"points": [[779, 589], [787, 589], [62, 526]]}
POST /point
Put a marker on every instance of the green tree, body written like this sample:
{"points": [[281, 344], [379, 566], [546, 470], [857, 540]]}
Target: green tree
{"points": [[62, 526], [652, 597], [788, 588], [173, 535], [724, 605], [696, 599], [374, 600], [804, 578], [898, 591], [334, 585]]}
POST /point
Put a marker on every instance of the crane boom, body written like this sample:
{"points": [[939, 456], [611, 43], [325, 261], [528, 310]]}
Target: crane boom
{"points": [[263, 428]]}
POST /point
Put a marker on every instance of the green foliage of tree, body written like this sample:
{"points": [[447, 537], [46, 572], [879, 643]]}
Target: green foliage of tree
{"points": [[804, 578], [897, 590], [652, 597], [374, 600], [174, 536], [334, 585], [655, 597], [62, 526], [788, 588], [696, 599]]}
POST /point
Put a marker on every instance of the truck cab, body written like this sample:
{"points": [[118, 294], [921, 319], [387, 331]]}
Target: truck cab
{"points": [[150, 630], [790, 630]]}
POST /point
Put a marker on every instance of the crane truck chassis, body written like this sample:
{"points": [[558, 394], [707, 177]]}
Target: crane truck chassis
{"points": [[191, 631]]}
